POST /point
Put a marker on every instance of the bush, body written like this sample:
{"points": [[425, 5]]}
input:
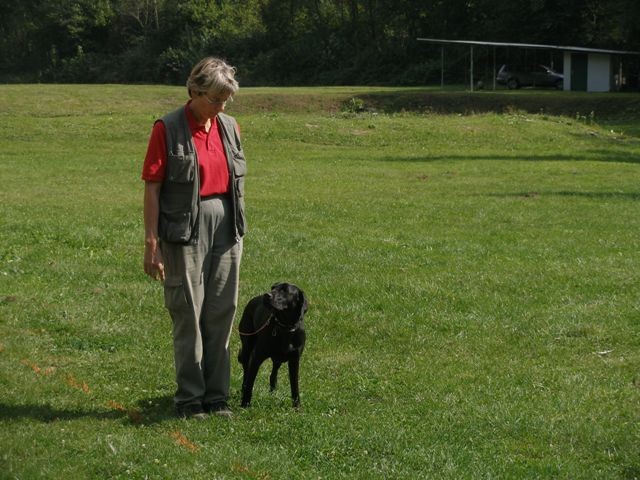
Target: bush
{"points": [[353, 105]]}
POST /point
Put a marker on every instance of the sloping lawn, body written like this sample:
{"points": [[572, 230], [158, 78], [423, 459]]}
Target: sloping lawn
{"points": [[474, 284]]}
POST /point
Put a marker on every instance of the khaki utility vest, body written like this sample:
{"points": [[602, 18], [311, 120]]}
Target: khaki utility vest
{"points": [[180, 193]]}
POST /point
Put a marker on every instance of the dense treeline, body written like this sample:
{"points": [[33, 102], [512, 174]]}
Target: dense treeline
{"points": [[285, 41]]}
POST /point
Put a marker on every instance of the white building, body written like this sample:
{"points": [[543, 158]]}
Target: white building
{"points": [[585, 69]]}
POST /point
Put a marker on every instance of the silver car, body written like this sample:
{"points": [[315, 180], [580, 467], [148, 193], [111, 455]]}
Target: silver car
{"points": [[535, 76]]}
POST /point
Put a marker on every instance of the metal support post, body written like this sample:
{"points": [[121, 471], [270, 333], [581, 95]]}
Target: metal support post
{"points": [[471, 68]]}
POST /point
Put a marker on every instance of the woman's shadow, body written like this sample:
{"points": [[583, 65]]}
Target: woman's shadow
{"points": [[156, 409], [145, 412]]}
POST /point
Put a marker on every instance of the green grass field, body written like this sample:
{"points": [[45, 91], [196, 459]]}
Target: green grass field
{"points": [[474, 283]]}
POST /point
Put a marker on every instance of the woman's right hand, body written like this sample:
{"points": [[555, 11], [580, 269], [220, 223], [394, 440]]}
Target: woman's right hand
{"points": [[153, 264]]}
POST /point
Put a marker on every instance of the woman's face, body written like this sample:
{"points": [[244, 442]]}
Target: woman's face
{"points": [[210, 104]]}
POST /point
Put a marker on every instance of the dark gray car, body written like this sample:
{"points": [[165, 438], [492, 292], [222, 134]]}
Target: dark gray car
{"points": [[535, 76]]}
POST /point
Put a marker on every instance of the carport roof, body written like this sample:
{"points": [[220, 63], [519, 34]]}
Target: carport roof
{"points": [[531, 45]]}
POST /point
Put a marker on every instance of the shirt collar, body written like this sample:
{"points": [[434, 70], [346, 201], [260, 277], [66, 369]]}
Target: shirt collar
{"points": [[193, 123]]}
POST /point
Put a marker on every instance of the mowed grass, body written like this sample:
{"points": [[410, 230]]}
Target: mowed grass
{"points": [[474, 286]]}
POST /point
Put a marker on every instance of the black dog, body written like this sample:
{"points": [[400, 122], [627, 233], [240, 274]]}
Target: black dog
{"points": [[272, 327]]}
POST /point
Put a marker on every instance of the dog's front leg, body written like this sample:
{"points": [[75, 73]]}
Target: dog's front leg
{"points": [[294, 368], [273, 378], [250, 374]]}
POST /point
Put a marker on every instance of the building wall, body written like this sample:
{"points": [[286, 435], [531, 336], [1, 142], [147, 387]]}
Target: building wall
{"points": [[599, 73]]}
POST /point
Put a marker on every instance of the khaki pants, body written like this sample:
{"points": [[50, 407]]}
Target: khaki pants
{"points": [[201, 294]]}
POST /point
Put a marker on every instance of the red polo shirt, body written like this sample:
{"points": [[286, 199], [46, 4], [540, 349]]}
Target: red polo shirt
{"points": [[212, 160]]}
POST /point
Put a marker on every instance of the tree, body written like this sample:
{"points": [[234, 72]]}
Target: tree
{"points": [[285, 41]]}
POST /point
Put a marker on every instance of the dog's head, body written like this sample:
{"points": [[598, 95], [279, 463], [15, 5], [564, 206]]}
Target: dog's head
{"points": [[288, 301]]}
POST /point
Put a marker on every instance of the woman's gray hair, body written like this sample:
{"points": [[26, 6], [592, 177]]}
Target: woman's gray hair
{"points": [[212, 75]]}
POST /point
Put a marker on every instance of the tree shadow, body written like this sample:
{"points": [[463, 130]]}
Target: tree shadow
{"points": [[612, 156], [500, 101], [632, 196]]}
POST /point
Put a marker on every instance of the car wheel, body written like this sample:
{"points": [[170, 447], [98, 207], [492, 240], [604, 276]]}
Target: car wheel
{"points": [[512, 83], [560, 85]]}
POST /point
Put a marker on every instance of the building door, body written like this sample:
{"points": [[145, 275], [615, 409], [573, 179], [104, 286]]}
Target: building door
{"points": [[579, 63]]}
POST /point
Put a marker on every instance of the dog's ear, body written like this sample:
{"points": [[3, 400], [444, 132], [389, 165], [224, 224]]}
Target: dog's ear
{"points": [[266, 299], [275, 285], [302, 301]]}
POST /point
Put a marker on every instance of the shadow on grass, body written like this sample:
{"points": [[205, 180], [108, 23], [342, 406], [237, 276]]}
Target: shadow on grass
{"points": [[148, 411], [588, 156], [157, 409], [591, 195], [605, 106], [47, 413]]}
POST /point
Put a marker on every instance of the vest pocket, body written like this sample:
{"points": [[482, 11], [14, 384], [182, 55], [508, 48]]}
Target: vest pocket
{"points": [[241, 222], [181, 168], [239, 163], [239, 171], [175, 227], [240, 186]]}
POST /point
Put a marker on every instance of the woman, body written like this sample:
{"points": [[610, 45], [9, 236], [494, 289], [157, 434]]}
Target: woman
{"points": [[194, 223]]}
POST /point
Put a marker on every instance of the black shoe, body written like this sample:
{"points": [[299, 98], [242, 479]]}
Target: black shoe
{"points": [[193, 410], [220, 409]]}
